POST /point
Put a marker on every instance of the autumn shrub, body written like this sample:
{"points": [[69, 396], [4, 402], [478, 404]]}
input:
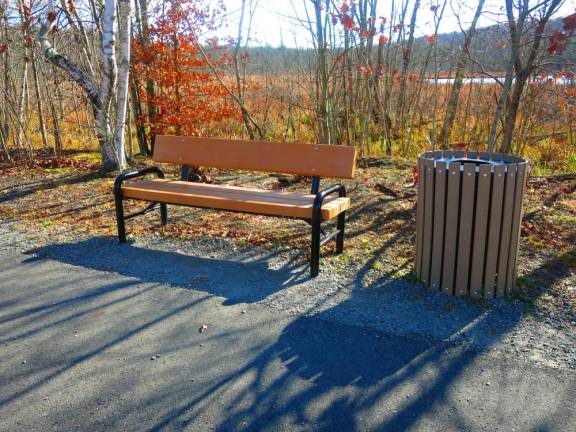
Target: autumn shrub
{"points": [[186, 95]]}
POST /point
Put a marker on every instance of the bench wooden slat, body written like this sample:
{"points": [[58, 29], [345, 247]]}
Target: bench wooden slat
{"points": [[289, 158], [233, 198]]}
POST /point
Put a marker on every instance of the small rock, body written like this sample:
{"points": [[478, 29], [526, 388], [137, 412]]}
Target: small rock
{"points": [[153, 358], [487, 384], [23, 361], [202, 328], [244, 311]]}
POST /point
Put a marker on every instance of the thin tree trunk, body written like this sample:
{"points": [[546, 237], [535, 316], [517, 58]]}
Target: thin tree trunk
{"points": [[406, 57], [56, 128], [123, 75], [4, 146], [453, 100], [511, 114], [323, 126], [57, 148], [22, 106], [137, 111], [39, 103], [141, 9], [4, 116]]}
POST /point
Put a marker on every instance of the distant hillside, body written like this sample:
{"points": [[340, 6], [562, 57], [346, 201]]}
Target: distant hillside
{"points": [[486, 49]]}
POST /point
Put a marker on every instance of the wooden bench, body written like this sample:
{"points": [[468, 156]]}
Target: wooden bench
{"points": [[302, 159]]}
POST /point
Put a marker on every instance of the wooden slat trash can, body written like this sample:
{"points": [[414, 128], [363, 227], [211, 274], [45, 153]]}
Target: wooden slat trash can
{"points": [[468, 222]]}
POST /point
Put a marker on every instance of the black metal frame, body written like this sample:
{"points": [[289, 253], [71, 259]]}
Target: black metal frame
{"points": [[118, 198], [316, 221]]}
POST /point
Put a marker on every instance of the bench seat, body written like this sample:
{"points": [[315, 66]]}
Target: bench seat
{"points": [[232, 198]]}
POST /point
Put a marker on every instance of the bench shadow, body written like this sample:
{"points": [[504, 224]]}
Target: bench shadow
{"points": [[241, 276]]}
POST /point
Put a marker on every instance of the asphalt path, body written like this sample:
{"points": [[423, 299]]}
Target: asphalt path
{"points": [[93, 350]]}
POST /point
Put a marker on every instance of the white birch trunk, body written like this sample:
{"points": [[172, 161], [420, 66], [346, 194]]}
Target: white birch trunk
{"points": [[123, 76], [99, 106], [106, 93]]}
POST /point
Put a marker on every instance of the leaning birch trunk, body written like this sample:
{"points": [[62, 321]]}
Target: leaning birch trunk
{"points": [[123, 75], [74, 72], [79, 33], [106, 93]]}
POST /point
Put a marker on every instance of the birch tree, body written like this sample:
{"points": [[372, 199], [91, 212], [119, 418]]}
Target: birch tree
{"points": [[107, 85], [100, 97], [123, 77]]}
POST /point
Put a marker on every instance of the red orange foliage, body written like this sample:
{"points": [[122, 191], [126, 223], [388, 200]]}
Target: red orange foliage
{"points": [[187, 95]]}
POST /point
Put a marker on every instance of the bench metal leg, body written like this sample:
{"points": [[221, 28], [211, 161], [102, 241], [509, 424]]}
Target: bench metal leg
{"points": [[315, 248], [120, 216], [163, 214], [340, 227]]}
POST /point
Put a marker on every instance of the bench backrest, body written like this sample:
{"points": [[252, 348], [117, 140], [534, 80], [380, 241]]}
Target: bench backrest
{"points": [[288, 158]]}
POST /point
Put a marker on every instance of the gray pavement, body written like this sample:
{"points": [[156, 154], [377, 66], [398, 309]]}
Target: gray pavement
{"points": [[93, 350]]}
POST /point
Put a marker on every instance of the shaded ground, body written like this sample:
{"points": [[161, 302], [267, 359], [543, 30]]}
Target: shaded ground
{"points": [[63, 199], [91, 350]]}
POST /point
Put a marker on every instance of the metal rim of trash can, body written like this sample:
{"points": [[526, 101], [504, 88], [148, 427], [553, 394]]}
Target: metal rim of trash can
{"points": [[462, 244]]}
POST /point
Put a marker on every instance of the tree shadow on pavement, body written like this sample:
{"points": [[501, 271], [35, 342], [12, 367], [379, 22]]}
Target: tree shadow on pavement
{"points": [[264, 372], [324, 376]]}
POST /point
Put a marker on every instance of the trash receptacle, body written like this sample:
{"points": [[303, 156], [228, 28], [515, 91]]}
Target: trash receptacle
{"points": [[468, 222]]}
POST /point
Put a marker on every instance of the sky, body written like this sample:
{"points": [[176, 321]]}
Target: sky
{"points": [[273, 20]]}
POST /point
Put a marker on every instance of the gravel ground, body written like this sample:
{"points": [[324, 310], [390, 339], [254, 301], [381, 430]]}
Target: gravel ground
{"points": [[279, 280]]}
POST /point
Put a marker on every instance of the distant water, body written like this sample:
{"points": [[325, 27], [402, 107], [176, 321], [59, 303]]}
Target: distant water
{"points": [[488, 80]]}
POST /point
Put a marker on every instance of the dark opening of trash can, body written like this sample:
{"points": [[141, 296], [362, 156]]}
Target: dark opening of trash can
{"points": [[474, 161]]}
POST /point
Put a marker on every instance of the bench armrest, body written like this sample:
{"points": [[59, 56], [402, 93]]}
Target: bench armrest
{"points": [[320, 196], [130, 174]]}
